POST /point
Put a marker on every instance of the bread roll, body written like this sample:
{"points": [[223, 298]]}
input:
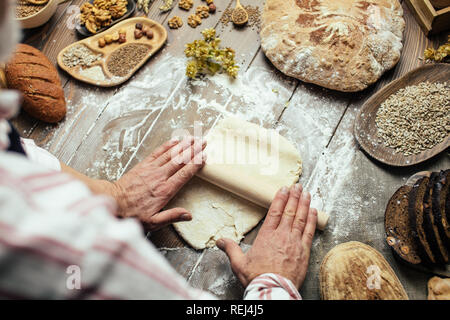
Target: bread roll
{"points": [[439, 289], [356, 271], [30, 72]]}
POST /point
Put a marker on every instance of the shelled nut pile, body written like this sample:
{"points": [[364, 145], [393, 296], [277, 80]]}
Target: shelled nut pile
{"points": [[100, 13], [195, 19], [120, 36]]}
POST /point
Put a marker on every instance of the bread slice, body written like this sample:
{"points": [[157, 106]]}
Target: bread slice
{"points": [[445, 207], [416, 220], [397, 227], [430, 225], [440, 190]]}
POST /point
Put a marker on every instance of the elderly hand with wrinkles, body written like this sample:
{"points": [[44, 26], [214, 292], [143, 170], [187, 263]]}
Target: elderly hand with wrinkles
{"points": [[150, 185], [146, 189], [283, 243]]}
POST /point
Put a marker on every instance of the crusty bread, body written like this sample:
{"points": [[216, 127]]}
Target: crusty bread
{"points": [[397, 227], [441, 195], [30, 72], [439, 288], [432, 206], [417, 220], [344, 45], [356, 271]]}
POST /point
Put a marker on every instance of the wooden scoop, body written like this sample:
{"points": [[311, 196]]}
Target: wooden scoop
{"points": [[239, 15]]}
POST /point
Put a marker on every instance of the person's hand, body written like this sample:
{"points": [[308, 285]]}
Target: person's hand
{"points": [[283, 243], [148, 187]]}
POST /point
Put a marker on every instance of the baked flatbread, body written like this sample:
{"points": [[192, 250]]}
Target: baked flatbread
{"points": [[344, 45]]}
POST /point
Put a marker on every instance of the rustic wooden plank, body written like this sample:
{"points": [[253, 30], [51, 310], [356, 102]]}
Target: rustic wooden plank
{"points": [[38, 37], [355, 189], [105, 134], [85, 105]]}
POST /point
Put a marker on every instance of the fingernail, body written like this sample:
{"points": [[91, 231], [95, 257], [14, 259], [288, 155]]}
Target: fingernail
{"points": [[186, 217], [306, 195], [284, 190], [220, 243], [297, 187]]}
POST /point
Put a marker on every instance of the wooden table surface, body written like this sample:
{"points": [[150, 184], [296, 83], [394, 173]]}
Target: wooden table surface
{"points": [[107, 131]]}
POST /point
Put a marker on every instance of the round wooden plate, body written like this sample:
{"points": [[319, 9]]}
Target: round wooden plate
{"points": [[154, 44], [365, 129]]}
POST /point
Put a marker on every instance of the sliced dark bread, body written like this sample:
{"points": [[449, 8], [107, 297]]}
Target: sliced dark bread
{"points": [[397, 226], [440, 191], [416, 220], [445, 207], [430, 225]]}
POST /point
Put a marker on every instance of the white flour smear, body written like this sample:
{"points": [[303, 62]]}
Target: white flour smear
{"points": [[257, 96]]}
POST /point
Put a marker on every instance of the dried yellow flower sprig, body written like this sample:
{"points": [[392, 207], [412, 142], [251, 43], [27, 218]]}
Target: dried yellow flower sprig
{"points": [[208, 56], [438, 55]]}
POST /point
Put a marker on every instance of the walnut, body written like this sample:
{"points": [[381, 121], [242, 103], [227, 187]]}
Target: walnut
{"points": [[209, 1], [194, 20], [175, 22], [101, 12], [186, 4], [202, 11]]}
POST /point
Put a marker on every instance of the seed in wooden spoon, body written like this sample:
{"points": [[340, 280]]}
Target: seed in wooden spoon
{"points": [[239, 16]]}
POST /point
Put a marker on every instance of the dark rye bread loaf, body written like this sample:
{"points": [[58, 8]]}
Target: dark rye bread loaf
{"points": [[30, 72], [441, 191], [445, 215], [430, 225], [416, 220], [398, 231]]}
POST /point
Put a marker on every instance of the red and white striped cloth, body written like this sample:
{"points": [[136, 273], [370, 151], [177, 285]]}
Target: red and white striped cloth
{"points": [[50, 223]]}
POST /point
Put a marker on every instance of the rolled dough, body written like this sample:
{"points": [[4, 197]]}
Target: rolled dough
{"points": [[246, 166]]}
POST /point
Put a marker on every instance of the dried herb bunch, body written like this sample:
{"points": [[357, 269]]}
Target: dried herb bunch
{"points": [[440, 54], [208, 56]]}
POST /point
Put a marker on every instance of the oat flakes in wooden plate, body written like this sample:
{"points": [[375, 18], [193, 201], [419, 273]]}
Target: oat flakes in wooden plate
{"points": [[87, 61], [366, 130]]}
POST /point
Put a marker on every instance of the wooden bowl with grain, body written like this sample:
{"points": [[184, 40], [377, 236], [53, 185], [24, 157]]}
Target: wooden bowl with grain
{"points": [[41, 17]]}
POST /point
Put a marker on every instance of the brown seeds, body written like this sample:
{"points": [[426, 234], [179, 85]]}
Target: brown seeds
{"points": [[122, 61]]}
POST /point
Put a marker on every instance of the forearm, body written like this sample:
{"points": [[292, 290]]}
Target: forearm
{"points": [[96, 186]]}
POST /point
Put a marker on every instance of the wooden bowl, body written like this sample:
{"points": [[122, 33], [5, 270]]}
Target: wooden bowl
{"points": [[41, 17], [365, 129]]}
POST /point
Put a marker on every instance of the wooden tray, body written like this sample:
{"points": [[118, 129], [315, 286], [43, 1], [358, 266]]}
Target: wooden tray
{"points": [[365, 129], [131, 7], [443, 271], [159, 38], [432, 20]]}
